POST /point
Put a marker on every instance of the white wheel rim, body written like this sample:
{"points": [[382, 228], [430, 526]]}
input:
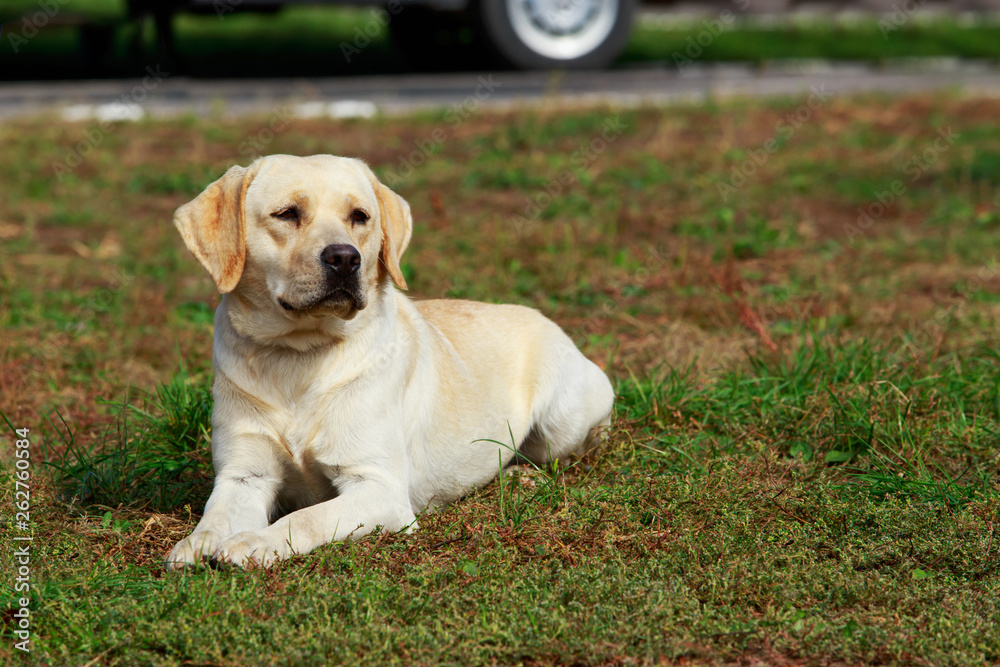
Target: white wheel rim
{"points": [[562, 29]]}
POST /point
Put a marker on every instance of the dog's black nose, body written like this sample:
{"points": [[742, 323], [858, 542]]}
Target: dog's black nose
{"points": [[342, 258]]}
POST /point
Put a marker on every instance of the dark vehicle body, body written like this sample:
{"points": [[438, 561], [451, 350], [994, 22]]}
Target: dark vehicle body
{"points": [[524, 34]]}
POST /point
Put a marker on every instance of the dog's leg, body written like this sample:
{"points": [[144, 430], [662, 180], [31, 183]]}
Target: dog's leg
{"points": [[242, 499], [361, 506], [574, 415]]}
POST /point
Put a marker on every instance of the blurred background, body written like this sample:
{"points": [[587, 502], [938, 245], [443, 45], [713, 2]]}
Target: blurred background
{"points": [[61, 39]]}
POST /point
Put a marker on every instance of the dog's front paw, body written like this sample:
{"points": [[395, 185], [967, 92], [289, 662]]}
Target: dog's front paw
{"points": [[193, 550], [250, 548]]}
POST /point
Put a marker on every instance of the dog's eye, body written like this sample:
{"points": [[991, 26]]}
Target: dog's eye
{"points": [[359, 216], [291, 214]]}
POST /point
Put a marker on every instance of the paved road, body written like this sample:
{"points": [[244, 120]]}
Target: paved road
{"points": [[160, 95]]}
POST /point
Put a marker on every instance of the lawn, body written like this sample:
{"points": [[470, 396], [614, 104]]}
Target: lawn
{"points": [[798, 306]]}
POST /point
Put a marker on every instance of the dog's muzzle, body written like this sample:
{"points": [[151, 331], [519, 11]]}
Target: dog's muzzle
{"points": [[342, 280]]}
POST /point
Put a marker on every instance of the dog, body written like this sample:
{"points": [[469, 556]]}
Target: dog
{"points": [[340, 404]]}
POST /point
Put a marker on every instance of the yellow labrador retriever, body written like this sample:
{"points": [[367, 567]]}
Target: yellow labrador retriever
{"points": [[341, 405]]}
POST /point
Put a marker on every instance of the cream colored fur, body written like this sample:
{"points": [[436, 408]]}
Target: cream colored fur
{"points": [[335, 414]]}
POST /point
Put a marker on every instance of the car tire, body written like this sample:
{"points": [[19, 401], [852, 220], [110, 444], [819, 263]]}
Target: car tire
{"points": [[555, 34]]}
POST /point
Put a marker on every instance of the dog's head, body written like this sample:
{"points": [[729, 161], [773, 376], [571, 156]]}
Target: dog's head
{"points": [[307, 237]]}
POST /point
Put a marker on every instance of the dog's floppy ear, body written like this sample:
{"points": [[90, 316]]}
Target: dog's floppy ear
{"points": [[213, 226], [397, 228], [397, 225]]}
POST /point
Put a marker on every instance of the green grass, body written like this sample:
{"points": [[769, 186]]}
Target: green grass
{"points": [[721, 544], [871, 38], [729, 543], [156, 459], [803, 466]]}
